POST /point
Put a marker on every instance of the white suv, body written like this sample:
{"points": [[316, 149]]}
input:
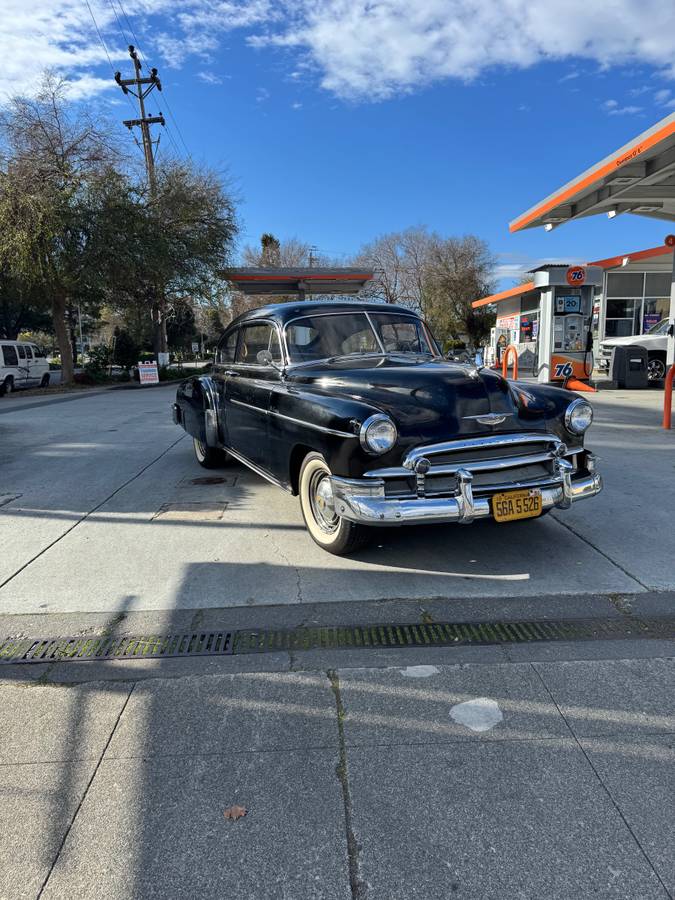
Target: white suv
{"points": [[654, 341], [22, 365]]}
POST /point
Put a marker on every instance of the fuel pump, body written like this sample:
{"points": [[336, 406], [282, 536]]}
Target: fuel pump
{"points": [[565, 332]]}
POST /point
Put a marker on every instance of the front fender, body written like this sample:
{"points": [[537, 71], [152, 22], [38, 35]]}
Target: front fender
{"points": [[329, 425]]}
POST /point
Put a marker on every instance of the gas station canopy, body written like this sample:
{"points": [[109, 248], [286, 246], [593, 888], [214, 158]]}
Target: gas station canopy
{"points": [[297, 281], [639, 178]]}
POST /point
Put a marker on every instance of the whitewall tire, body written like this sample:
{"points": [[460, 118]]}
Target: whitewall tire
{"points": [[329, 530], [209, 457]]}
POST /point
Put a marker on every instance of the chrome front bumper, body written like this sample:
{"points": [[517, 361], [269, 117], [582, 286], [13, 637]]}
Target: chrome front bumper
{"points": [[363, 501]]}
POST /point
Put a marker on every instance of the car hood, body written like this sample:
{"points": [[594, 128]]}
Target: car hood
{"points": [[433, 398], [635, 340]]}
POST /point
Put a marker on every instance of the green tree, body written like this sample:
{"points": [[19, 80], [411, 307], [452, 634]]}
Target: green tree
{"points": [[52, 157]]}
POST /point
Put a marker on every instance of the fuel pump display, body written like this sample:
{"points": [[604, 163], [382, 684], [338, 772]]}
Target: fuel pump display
{"points": [[572, 355]]}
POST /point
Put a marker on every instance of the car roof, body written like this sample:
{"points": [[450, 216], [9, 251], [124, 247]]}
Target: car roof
{"points": [[284, 312]]}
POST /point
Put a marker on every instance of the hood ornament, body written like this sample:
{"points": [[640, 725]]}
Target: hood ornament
{"points": [[490, 418]]}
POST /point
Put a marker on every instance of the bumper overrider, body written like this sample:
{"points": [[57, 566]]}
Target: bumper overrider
{"points": [[365, 500]]}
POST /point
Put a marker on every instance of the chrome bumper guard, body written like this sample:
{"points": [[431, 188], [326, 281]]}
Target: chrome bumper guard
{"points": [[364, 500]]}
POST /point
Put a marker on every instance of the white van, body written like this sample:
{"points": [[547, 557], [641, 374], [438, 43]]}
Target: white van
{"points": [[22, 365]]}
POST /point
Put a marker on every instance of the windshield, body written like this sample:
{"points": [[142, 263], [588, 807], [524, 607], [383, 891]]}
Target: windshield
{"points": [[660, 327], [346, 334]]}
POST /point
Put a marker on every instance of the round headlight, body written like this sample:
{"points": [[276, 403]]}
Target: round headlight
{"points": [[578, 416], [378, 434]]}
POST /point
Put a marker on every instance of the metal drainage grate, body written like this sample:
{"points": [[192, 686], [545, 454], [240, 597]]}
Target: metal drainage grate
{"points": [[445, 634], [348, 637], [47, 650]]}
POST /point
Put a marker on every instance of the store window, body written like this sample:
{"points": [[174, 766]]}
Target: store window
{"points": [[623, 314], [636, 301]]}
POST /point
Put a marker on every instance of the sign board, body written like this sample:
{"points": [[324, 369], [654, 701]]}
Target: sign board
{"points": [[195, 347], [148, 373], [575, 276], [567, 304], [163, 359]]}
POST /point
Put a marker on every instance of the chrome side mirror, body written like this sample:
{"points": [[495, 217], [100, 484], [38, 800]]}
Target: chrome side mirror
{"points": [[265, 358]]}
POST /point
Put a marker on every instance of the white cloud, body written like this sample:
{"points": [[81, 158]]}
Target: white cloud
{"points": [[355, 48], [209, 77], [296, 105], [262, 95], [614, 108], [662, 96]]}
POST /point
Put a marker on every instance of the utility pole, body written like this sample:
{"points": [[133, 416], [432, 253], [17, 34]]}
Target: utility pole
{"points": [[139, 87], [312, 251], [143, 86]]}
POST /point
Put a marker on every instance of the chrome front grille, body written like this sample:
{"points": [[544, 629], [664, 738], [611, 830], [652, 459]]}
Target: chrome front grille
{"points": [[491, 463]]}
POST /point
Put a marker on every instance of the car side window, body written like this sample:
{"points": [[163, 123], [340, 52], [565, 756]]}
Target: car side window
{"points": [[37, 353], [29, 352], [9, 355], [22, 351], [255, 338], [227, 347]]}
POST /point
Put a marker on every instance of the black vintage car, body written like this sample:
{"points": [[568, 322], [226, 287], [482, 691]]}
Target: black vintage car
{"points": [[352, 407]]}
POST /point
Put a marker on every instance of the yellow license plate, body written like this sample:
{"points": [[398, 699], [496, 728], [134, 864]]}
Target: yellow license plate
{"points": [[513, 505]]}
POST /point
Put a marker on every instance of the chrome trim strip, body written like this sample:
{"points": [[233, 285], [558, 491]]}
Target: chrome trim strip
{"points": [[492, 440], [490, 418], [258, 470], [322, 428], [278, 415], [475, 465]]}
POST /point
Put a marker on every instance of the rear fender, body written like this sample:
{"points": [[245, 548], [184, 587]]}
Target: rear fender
{"points": [[197, 400]]}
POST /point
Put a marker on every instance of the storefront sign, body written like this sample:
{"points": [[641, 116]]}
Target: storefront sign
{"points": [[148, 373], [649, 320], [575, 276]]}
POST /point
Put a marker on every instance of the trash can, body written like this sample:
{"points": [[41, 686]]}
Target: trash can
{"points": [[629, 367]]}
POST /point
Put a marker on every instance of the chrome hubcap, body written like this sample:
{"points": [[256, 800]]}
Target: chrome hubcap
{"points": [[323, 504], [656, 370]]}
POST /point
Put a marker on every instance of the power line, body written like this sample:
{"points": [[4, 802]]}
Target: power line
{"points": [[165, 100], [105, 49]]}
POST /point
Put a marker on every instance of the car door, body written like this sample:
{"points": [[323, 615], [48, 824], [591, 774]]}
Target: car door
{"points": [[22, 379], [39, 367], [248, 385]]}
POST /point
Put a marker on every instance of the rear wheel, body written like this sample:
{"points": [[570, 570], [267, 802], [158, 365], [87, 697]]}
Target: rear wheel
{"points": [[7, 385], [209, 457], [329, 530], [656, 368]]}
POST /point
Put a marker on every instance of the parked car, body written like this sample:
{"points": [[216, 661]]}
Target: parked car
{"points": [[22, 365], [352, 407], [655, 341]]}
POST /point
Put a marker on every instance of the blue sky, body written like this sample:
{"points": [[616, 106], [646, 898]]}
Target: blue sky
{"points": [[338, 120]]}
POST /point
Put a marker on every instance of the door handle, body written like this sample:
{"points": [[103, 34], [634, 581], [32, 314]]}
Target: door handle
{"points": [[231, 373]]}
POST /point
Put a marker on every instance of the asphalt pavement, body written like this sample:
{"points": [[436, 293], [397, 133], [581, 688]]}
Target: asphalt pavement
{"points": [[100, 511], [516, 771]]}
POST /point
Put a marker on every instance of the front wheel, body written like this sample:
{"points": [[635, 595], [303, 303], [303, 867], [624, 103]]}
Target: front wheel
{"points": [[45, 381], [209, 457], [329, 530], [7, 386], [656, 368]]}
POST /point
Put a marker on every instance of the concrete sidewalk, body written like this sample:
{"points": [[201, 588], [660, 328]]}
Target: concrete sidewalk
{"points": [[522, 780]]}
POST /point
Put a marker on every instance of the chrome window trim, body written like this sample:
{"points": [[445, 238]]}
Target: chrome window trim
{"points": [[250, 324], [345, 312]]}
